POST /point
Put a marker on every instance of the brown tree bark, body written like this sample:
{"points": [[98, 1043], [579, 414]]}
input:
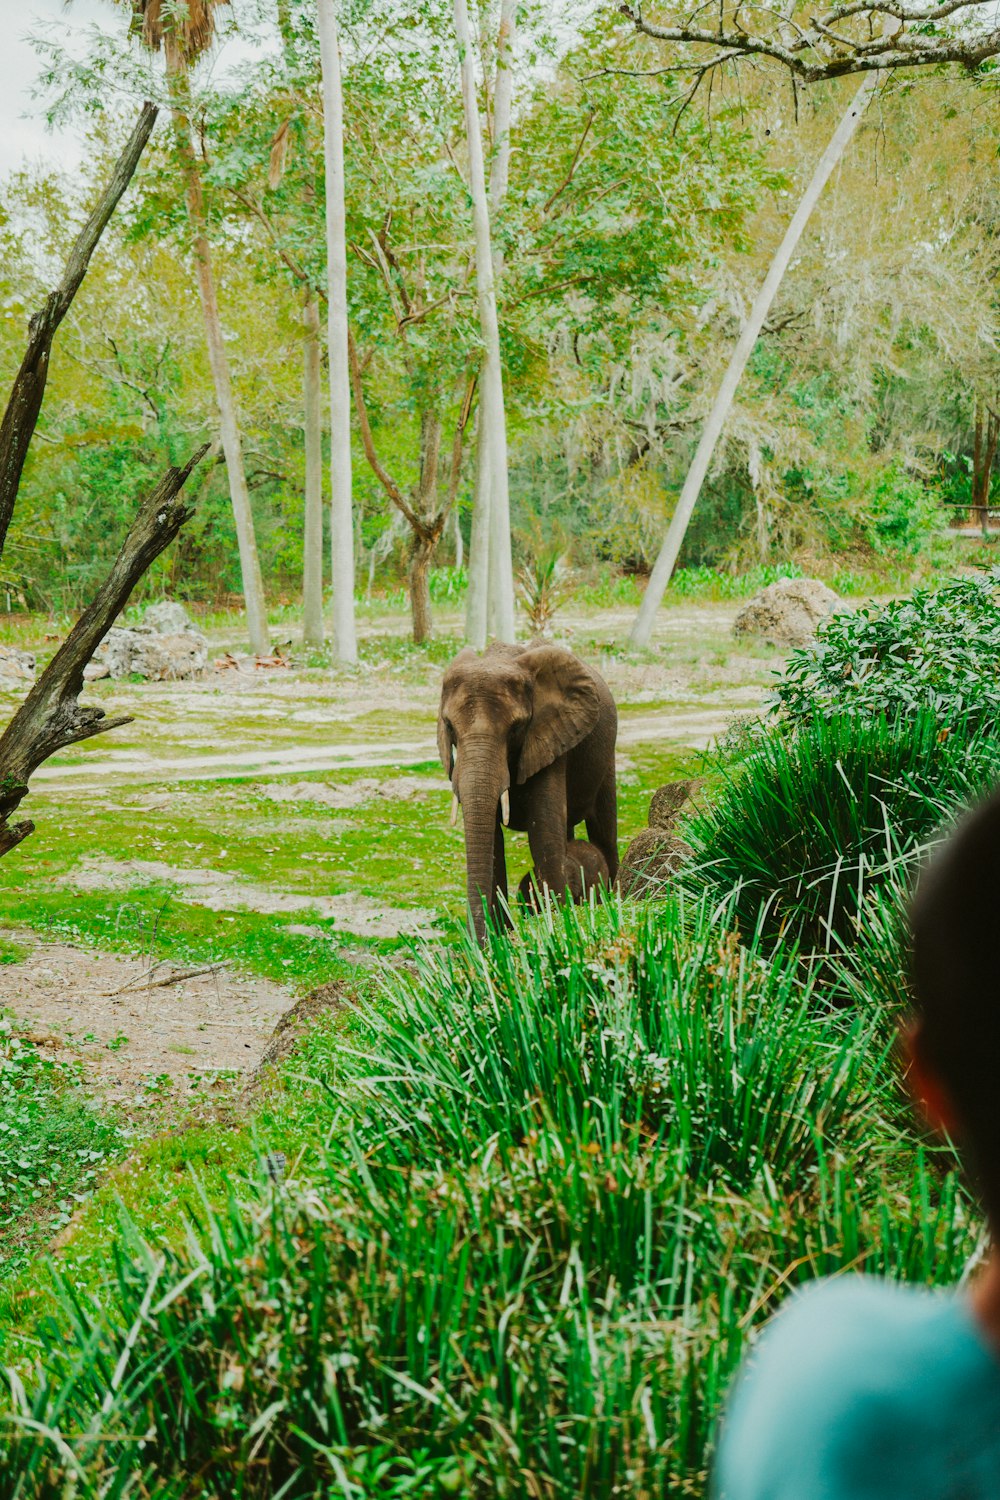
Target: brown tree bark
{"points": [[986, 435], [51, 716], [18, 423]]}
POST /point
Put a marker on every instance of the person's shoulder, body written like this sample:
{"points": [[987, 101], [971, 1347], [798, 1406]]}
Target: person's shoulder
{"points": [[825, 1377]]}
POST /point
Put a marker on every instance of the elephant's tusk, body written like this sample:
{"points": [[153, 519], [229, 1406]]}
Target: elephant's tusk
{"points": [[505, 807], [454, 810], [454, 756]]}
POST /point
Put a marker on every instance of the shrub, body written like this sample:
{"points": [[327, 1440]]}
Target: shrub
{"points": [[937, 651], [819, 814], [901, 514], [561, 1182]]}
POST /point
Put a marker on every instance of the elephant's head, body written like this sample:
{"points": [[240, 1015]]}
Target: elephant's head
{"points": [[504, 716]]}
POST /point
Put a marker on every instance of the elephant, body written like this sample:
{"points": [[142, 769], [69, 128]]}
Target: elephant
{"points": [[527, 736], [586, 871]]}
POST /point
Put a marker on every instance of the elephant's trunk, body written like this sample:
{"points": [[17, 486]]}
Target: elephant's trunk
{"points": [[481, 777]]}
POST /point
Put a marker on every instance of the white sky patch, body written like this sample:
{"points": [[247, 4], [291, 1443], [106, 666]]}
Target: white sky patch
{"points": [[24, 134]]}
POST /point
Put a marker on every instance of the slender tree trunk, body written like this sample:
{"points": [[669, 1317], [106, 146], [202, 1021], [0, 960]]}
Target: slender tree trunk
{"points": [[229, 428], [312, 542], [984, 451], [420, 592], [341, 509], [491, 401], [667, 559], [459, 540], [477, 594]]}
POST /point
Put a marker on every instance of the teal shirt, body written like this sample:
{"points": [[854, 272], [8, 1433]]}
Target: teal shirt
{"points": [[865, 1390]]}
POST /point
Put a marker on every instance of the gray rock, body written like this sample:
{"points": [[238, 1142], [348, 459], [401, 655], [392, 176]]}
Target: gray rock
{"points": [[669, 801], [787, 613], [651, 861], [142, 652], [15, 665], [167, 618]]}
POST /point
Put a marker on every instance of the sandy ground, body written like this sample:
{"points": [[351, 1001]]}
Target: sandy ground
{"points": [[220, 890], [135, 1034]]}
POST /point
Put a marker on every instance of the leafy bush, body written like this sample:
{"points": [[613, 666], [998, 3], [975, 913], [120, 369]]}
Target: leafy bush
{"points": [[936, 651], [821, 813], [901, 514], [562, 1179]]}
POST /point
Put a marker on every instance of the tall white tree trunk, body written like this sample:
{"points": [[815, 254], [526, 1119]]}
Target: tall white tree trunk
{"points": [[477, 594], [492, 418], [341, 510], [459, 539], [312, 539], [716, 420], [229, 427]]}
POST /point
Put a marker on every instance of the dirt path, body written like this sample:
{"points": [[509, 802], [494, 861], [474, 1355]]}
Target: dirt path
{"points": [[695, 727], [136, 1037]]}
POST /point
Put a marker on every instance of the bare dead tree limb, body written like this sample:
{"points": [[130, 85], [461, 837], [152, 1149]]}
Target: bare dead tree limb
{"points": [[819, 50], [51, 716], [18, 423]]}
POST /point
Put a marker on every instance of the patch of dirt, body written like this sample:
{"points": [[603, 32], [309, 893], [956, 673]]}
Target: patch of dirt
{"points": [[140, 766], [220, 891], [304, 1014], [355, 794], [131, 1031]]}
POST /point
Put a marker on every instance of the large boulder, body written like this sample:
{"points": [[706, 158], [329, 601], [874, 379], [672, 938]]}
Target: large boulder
{"points": [[142, 652], [788, 612], [651, 861], [167, 618]]}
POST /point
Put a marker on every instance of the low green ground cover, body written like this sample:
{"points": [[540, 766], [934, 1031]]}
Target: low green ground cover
{"points": [[55, 1145]]}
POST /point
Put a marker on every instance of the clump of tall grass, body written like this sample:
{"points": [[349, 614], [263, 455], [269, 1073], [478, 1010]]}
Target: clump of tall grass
{"points": [[821, 813], [562, 1179]]}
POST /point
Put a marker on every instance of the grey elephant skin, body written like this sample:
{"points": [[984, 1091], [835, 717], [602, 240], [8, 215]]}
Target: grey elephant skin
{"points": [[586, 871], [531, 728]]}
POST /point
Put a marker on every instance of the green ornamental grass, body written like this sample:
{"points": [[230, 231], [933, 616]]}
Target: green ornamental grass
{"points": [[559, 1183]]}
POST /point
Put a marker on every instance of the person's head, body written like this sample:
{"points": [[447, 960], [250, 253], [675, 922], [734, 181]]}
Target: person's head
{"points": [[955, 1038]]}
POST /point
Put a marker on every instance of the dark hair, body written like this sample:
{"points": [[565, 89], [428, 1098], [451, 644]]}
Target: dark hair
{"points": [[955, 925]]}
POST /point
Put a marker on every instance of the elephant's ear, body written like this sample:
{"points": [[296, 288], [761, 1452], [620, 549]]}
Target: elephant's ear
{"points": [[444, 744], [445, 741], [566, 707]]}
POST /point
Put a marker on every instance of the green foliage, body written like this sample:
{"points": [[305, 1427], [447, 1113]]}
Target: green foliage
{"points": [[54, 1145], [818, 815], [715, 584], [936, 650], [543, 587], [902, 515], [561, 1180]]}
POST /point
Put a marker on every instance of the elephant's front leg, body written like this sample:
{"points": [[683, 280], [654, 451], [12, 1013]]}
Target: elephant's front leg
{"points": [[547, 826], [602, 825]]}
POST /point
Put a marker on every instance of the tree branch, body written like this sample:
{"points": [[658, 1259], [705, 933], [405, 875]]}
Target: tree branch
{"points": [[368, 442], [808, 55], [572, 166], [51, 716], [21, 414], [457, 446]]}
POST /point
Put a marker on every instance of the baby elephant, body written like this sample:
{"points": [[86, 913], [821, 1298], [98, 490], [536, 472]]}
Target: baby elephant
{"points": [[586, 870]]}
